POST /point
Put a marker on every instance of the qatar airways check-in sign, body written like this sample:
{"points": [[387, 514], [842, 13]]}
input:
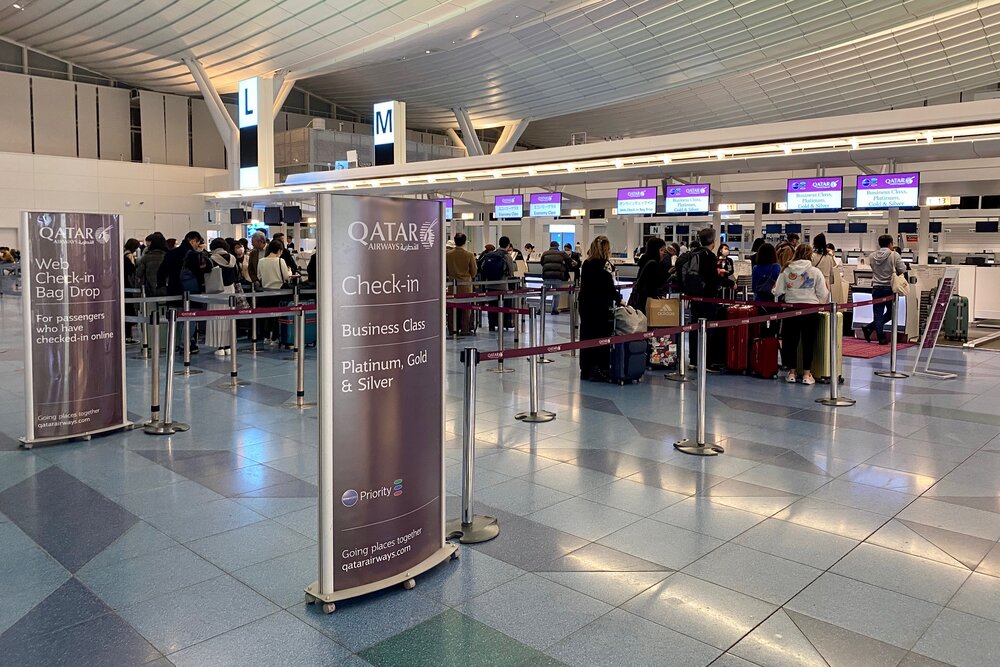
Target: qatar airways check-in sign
{"points": [[73, 314], [388, 277]]}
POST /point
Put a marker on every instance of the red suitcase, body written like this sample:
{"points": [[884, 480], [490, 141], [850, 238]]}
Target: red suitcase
{"points": [[764, 357], [738, 338]]}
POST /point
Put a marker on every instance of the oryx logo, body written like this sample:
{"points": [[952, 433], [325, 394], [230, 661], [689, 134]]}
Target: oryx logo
{"points": [[428, 235], [45, 220]]}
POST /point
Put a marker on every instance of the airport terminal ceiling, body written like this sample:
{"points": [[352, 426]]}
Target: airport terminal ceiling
{"points": [[608, 68]]}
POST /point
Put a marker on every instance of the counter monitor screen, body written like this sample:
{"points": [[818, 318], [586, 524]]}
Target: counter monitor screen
{"points": [[272, 215], [815, 194], [907, 228], [882, 191], [773, 229], [987, 227], [836, 228], [508, 207], [449, 207], [682, 230], [685, 198], [292, 215], [545, 205], [237, 216], [936, 227], [793, 228], [636, 201], [734, 230], [857, 227]]}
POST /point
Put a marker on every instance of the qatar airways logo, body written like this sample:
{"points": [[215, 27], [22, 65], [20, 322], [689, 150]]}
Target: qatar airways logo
{"points": [[900, 180], [826, 185], [49, 231], [394, 235], [635, 194]]}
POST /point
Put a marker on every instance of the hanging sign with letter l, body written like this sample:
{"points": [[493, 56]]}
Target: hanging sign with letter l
{"points": [[381, 397], [73, 314]]}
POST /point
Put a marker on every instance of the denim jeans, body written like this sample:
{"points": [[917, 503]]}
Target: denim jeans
{"points": [[879, 310], [554, 296]]}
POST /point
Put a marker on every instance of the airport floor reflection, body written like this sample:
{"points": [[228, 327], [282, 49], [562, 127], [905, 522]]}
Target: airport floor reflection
{"points": [[862, 536]]}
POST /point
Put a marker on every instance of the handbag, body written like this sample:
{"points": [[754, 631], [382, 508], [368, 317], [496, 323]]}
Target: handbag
{"points": [[628, 320], [900, 285]]}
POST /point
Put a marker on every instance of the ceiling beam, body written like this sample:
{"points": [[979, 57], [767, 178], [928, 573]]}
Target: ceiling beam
{"points": [[469, 137]]}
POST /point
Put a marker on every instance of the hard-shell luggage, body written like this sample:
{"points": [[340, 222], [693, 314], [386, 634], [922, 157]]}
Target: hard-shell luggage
{"points": [[821, 351], [628, 361], [286, 328], [764, 357], [738, 338], [956, 319]]}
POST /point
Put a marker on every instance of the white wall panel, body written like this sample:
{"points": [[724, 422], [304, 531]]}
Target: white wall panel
{"points": [[54, 112], [178, 149], [114, 125], [15, 113], [86, 120], [154, 130], [208, 148]]}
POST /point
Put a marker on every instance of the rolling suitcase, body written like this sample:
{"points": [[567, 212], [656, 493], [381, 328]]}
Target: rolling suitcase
{"points": [[738, 339], [628, 361], [286, 328], [764, 357], [956, 319], [821, 352]]}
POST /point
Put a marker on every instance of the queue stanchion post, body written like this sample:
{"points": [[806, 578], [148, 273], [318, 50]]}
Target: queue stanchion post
{"points": [[168, 426], [541, 324], [519, 318], [253, 320], [573, 321], [499, 367], [534, 415], [154, 387], [680, 375], [187, 370], [700, 447], [144, 354], [835, 400], [892, 373], [234, 378], [300, 402], [470, 528]]}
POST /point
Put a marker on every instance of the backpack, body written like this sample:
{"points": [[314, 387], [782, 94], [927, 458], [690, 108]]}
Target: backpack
{"points": [[494, 266], [692, 282]]}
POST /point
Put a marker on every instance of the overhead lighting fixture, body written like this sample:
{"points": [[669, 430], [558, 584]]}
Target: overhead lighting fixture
{"points": [[787, 149], [468, 216], [721, 155], [427, 51], [929, 136], [666, 159], [854, 144], [619, 164], [577, 212], [18, 6]]}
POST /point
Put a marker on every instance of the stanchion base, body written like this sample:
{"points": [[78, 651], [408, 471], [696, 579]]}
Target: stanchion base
{"points": [[539, 417], [499, 370], [159, 428], [674, 377], [482, 529], [180, 426], [894, 375], [189, 371], [686, 446], [543, 360], [237, 383], [839, 402], [292, 405]]}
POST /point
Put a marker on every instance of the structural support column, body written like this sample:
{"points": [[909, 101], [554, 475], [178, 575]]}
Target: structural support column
{"points": [[469, 137], [923, 235], [511, 133], [457, 140], [893, 223], [220, 116], [758, 220], [282, 85]]}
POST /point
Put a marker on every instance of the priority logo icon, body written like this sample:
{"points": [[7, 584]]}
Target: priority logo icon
{"points": [[397, 487]]}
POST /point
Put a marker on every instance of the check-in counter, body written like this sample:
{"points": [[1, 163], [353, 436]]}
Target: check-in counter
{"points": [[986, 292]]}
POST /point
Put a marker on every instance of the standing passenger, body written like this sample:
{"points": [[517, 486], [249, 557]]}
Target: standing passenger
{"points": [[598, 295], [801, 282]]}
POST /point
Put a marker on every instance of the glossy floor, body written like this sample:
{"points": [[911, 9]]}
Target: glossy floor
{"points": [[858, 536]]}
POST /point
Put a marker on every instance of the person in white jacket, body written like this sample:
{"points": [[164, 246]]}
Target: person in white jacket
{"points": [[803, 283]]}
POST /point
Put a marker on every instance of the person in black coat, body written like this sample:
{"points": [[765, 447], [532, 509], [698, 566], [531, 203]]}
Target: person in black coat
{"points": [[653, 274], [598, 295]]}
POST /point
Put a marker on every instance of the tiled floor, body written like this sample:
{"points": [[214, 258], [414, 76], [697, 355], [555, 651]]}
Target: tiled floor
{"points": [[859, 536]]}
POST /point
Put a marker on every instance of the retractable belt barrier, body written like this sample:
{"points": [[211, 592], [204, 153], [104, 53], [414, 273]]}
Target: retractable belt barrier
{"points": [[241, 313], [487, 309]]}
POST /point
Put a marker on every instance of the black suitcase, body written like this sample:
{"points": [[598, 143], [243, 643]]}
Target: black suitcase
{"points": [[628, 361]]}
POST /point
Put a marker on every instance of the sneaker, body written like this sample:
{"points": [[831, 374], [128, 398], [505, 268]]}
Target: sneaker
{"points": [[790, 377], [868, 334], [229, 351], [194, 349], [221, 352], [808, 378]]}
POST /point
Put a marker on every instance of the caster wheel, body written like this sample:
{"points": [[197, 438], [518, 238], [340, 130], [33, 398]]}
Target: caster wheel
{"points": [[410, 584], [329, 608], [310, 599], [454, 555]]}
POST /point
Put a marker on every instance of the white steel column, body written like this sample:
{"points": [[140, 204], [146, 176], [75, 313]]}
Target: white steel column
{"points": [[220, 116], [893, 223], [511, 133], [758, 220], [471, 141], [283, 85], [923, 235], [457, 140]]}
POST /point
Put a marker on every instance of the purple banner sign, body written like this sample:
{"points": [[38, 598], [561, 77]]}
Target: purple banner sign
{"points": [[73, 316], [815, 194], [636, 201], [695, 190], [691, 198], [888, 191], [545, 205]]}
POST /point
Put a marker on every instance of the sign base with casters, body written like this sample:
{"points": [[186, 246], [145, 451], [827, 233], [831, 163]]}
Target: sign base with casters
{"points": [[407, 579]]}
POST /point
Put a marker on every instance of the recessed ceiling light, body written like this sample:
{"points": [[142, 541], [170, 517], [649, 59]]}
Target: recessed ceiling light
{"points": [[18, 6], [427, 51]]}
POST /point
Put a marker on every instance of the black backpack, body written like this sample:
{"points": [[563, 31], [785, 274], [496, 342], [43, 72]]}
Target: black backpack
{"points": [[692, 282], [494, 266]]}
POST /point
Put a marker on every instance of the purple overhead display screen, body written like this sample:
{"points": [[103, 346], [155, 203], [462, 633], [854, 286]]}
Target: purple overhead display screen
{"points": [[687, 198], [545, 205], [888, 191], [815, 194], [449, 207], [636, 201], [508, 207]]}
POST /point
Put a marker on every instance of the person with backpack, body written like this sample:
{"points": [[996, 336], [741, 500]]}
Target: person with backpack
{"points": [[555, 272], [168, 274], [765, 273], [700, 276], [652, 277], [494, 266], [801, 282]]}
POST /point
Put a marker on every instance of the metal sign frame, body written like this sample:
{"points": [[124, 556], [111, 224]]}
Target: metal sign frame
{"points": [[935, 319]]}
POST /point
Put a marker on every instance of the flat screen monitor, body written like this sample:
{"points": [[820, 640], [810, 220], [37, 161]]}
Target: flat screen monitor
{"points": [[272, 215], [815, 194], [686, 198], [254, 227], [682, 229], [597, 214], [773, 228], [545, 205], [857, 227], [734, 230], [449, 207], [882, 191], [936, 227], [793, 228], [836, 228], [237, 216], [508, 207], [991, 201], [636, 201], [907, 228], [292, 215], [987, 227]]}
